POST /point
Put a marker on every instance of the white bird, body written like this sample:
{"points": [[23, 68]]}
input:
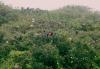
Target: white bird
{"points": [[17, 26], [33, 20], [7, 41], [70, 38], [31, 25]]}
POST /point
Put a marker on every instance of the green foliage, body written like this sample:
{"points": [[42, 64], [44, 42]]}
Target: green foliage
{"points": [[46, 54], [25, 44]]}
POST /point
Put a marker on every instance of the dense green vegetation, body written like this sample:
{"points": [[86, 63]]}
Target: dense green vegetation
{"points": [[25, 43]]}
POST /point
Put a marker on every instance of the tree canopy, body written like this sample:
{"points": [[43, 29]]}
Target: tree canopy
{"points": [[26, 43]]}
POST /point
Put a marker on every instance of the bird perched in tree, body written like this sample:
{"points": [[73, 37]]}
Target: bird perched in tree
{"points": [[49, 33]]}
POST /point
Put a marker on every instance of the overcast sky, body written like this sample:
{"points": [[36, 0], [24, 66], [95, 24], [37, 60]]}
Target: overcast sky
{"points": [[52, 4]]}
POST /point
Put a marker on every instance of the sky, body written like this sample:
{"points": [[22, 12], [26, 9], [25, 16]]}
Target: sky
{"points": [[52, 4]]}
